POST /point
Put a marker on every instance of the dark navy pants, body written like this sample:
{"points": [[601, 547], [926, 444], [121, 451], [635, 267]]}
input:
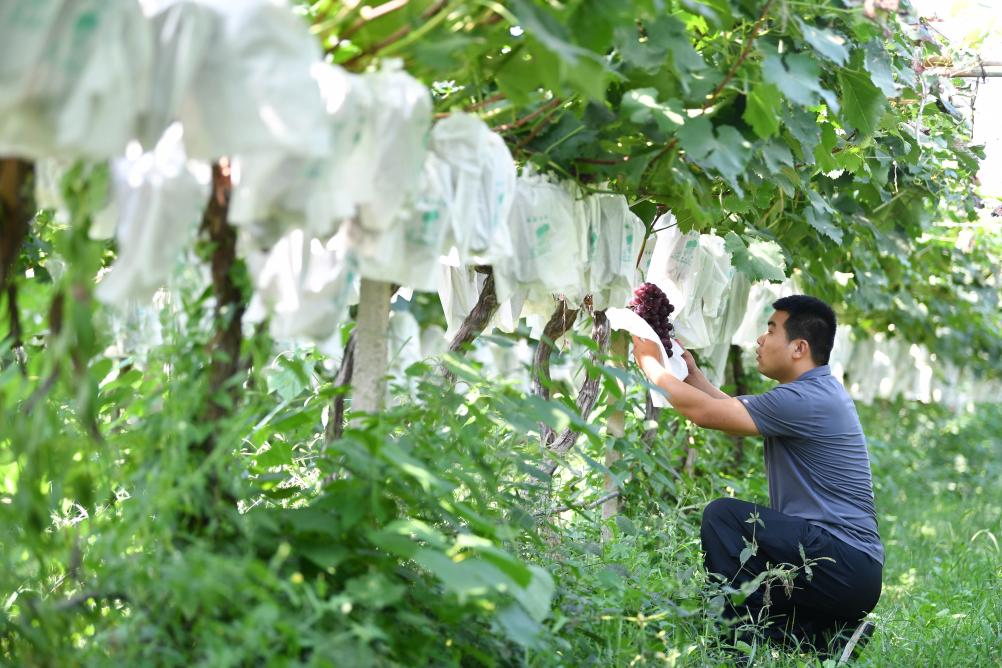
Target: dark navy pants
{"points": [[843, 586]]}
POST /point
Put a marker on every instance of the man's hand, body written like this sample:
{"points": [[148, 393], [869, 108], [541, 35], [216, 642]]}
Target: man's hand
{"points": [[644, 349], [690, 362], [697, 379]]}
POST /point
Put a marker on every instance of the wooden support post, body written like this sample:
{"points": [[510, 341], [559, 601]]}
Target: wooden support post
{"points": [[616, 428], [370, 358]]}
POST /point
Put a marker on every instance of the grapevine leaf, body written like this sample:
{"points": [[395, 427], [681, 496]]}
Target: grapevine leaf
{"points": [[819, 216], [797, 76], [823, 152], [724, 150], [803, 126], [593, 23], [849, 161], [760, 261], [642, 55], [745, 555], [665, 40], [521, 76], [878, 64], [670, 33], [583, 69], [546, 29], [822, 223], [827, 43], [762, 110], [519, 626], [537, 595], [776, 154], [864, 103], [718, 13], [566, 139], [641, 106]]}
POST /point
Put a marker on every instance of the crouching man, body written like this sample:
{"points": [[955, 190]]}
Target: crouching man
{"points": [[818, 469]]}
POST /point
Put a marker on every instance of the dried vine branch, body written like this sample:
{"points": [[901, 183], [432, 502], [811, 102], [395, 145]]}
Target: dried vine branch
{"points": [[15, 222], [368, 13], [597, 502], [398, 34], [224, 349], [476, 321], [14, 175], [587, 396], [528, 118], [742, 57], [335, 423], [964, 72], [560, 322]]}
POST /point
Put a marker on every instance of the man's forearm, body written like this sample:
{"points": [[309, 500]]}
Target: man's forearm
{"points": [[713, 412], [700, 382], [684, 397]]}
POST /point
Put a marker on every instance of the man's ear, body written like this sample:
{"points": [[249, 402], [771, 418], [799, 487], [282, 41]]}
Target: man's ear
{"points": [[801, 348]]}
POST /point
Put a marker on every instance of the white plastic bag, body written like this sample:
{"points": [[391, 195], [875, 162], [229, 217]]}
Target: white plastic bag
{"points": [[274, 192], [759, 309], [238, 75], [615, 239], [677, 267], [159, 197], [921, 389], [627, 320], [483, 186], [704, 287], [306, 285], [433, 341], [596, 271], [404, 349], [408, 253], [717, 280], [724, 326], [864, 371], [546, 253], [393, 155], [841, 351], [73, 77]]}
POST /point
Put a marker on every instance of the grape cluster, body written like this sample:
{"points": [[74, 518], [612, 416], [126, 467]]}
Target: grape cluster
{"points": [[651, 304]]}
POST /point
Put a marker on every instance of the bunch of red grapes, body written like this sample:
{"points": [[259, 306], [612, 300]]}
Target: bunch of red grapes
{"points": [[651, 304]]}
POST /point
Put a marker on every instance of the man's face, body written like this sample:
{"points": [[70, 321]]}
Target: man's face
{"points": [[775, 352]]}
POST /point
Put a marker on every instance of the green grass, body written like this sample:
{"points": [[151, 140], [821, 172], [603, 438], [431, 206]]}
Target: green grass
{"points": [[940, 502], [640, 599]]}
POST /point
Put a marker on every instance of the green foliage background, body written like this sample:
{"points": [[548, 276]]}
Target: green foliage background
{"points": [[135, 531], [804, 123]]}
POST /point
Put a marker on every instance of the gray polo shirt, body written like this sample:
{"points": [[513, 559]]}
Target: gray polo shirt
{"points": [[816, 458]]}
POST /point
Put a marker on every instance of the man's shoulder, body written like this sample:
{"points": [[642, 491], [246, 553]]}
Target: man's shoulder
{"points": [[824, 389]]}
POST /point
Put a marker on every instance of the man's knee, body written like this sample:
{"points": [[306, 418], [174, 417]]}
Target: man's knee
{"points": [[720, 512]]}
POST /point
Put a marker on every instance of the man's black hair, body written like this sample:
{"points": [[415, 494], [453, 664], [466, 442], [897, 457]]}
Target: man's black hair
{"points": [[812, 320]]}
